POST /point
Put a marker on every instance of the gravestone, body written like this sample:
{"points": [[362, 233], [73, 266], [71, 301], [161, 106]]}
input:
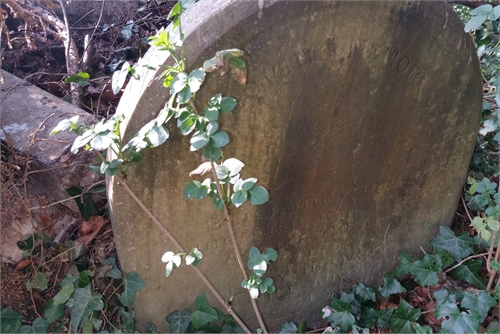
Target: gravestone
{"points": [[358, 117]]}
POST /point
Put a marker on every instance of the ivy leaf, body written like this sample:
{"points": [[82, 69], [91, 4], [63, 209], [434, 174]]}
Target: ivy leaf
{"points": [[133, 283], [114, 272], [288, 328], [405, 264], [391, 286], [459, 247], [469, 271], [455, 321], [38, 282], [258, 195], [84, 304], [419, 329], [204, 312], [40, 325], [481, 228], [364, 293], [343, 316], [81, 79], [63, 295], [402, 318], [178, 321], [426, 270], [10, 321], [481, 303]]}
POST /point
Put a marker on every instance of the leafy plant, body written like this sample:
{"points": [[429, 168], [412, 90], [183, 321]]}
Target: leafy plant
{"points": [[206, 137]]}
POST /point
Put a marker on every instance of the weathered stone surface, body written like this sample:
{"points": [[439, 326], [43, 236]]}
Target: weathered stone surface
{"points": [[358, 117], [28, 116]]}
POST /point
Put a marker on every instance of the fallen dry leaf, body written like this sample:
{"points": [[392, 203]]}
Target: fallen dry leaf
{"points": [[23, 264], [97, 223]]}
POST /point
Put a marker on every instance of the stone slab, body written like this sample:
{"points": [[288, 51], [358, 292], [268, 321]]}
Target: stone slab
{"points": [[358, 117], [28, 115]]}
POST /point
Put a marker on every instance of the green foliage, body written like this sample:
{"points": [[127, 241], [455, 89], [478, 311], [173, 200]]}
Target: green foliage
{"points": [[258, 262], [458, 246], [204, 319], [133, 283]]}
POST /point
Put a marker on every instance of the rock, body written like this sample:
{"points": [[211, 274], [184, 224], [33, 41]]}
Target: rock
{"points": [[359, 118], [28, 116]]}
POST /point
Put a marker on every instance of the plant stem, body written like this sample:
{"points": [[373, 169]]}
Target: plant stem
{"points": [[488, 261], [180, 249], [235, 247], [464, 260]]}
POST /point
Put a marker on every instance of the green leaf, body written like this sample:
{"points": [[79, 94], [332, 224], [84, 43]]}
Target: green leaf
{"points": [[474, 22], [391, 286], [194, 257], [63, 295], [459, 247], [150, 328], [212, 127], [445, 258], [227, 104], [179, 83], [188, 124], [40, 325], [480, 226], [114, 272], [119, 78], [199, 140], [426, 270], [248, 183], [419, 329], [469, 271], [253, 257], [212, 153], [270, 255], [258, 195], [38, 282], [402, 318], [157, 135], [52, 311], [364, 293], [455, 321], [288, 328], [339, 305], [239, 197], [127, 318], [405, 264], [133, 283], [10, 321], [219, 139], [65, 124], [173, 261], [343, 316], [81, 79], [178, 321], [82, 140], [195, 79], [481, 10], [84, 304], [211, 113], [481, 303], [204, 312], [191, 190]]}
